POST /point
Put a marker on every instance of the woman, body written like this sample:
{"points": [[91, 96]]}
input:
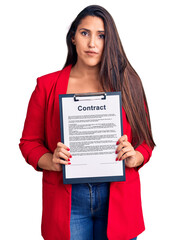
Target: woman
{"points": [[96, 62]]}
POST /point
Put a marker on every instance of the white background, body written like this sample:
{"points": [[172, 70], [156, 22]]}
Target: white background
{"points": [[32, 44]]}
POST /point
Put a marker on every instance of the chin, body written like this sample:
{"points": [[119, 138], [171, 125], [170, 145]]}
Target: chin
{"points": [[92, 63]]}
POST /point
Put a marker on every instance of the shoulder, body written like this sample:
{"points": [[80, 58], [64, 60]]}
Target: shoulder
{"points": [[48, 79], [51, 79]]}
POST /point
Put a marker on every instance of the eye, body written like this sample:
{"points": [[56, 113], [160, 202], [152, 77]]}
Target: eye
{"points": [[102, 36], [84, 33]]}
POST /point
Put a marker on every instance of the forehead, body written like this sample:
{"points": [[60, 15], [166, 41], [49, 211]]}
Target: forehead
{"points": [[92, 23]]}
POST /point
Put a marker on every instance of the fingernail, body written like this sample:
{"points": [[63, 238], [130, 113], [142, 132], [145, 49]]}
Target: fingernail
{"points": [[69, 163], [117, 159], [116, 151], [68, 159], [70, 156], [117, 143], [68, 149]]}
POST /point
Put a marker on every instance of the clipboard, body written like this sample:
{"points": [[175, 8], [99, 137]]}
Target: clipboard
{"points": [[91, 124]]}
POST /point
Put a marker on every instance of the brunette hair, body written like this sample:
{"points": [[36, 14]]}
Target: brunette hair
{"points": [[117, 74]]}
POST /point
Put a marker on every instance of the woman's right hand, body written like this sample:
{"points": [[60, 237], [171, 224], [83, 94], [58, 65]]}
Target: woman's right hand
{"points": [[53, 162]]}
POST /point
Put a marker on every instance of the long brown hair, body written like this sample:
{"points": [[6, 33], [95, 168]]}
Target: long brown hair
{"points": [[117, 74]]}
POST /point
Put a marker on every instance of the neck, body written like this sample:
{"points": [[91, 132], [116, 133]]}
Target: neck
{"points": [[84, 71]]}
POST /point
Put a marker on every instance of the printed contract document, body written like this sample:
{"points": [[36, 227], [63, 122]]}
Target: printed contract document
{"points": [[91, 124]]}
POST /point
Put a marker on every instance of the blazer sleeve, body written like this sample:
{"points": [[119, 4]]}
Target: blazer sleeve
{"points": [[143, 148], [146, 151], [32, 142]]}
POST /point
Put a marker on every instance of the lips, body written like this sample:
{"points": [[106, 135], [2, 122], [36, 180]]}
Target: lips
{"points": [[91, 52]]}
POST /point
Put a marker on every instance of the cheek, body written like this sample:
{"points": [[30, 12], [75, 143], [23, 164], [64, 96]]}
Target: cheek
{"points": [[79, 51], [80, 47], [102, 48]]}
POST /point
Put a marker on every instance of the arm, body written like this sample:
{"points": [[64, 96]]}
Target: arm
{"points": [[32, 143]]}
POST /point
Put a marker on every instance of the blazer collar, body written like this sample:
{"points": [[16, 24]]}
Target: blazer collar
{"points": [[63, 80]]}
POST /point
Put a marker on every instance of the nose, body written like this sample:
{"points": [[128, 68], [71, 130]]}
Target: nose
{"points": [[92, 41]]}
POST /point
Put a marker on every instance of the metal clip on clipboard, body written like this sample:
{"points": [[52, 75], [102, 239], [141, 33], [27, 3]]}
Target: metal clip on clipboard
{"points": [[90, 96]]}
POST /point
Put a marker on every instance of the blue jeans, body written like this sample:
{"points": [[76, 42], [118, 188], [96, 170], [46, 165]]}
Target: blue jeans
{"points": [[89, 211]]}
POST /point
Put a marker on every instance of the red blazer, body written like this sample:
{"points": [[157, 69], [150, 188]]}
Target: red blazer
{"points": [[41, 134]]}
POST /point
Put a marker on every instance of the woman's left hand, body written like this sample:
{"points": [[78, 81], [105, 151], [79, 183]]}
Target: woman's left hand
{"points": [[125, 151]]}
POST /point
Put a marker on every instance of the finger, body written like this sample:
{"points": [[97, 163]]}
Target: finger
{"points": [[61, 161], [122, 139], [124, 151], [61, 145], [62, 151], [64, 162], [127, 155], [63, 156], [122, 145]]}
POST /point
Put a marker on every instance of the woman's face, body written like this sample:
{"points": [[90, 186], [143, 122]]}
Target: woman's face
{"points": [[89, 41]]}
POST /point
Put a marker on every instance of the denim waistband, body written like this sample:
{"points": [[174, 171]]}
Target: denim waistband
{"points": [[98, 183], [94, 184]]}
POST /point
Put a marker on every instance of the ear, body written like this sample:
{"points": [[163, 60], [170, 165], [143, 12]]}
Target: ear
{"points": [[73, 40]]}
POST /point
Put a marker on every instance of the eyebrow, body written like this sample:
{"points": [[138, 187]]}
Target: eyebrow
{"points": [[100, 31]]}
